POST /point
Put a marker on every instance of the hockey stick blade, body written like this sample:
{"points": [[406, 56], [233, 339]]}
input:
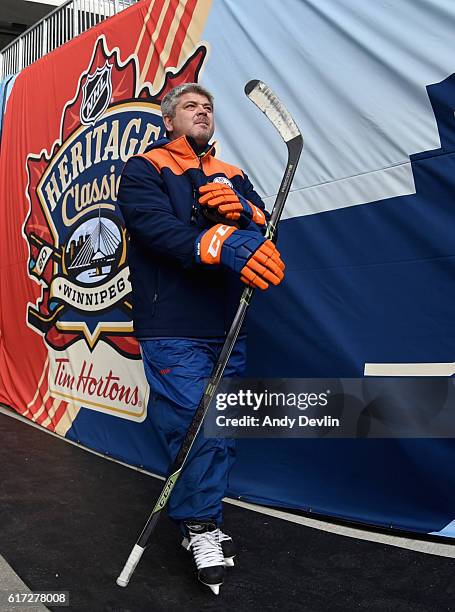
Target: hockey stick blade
{"points": [[267, 102]]}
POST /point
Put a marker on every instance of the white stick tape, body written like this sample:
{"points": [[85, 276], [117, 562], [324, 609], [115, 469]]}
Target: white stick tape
{"points": [[130, 565]]}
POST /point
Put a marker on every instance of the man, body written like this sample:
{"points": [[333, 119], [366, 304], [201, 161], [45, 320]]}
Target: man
{"points": [[196, 230]]}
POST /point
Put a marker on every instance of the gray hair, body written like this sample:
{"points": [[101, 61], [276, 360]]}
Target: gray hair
{"points": [[170, 100]]}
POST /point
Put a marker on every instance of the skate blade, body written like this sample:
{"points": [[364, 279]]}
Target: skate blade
{"points": [[214, 587], [229, 561]]}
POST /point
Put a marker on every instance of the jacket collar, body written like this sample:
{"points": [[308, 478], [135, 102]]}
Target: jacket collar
{"points": [[182, 146]]}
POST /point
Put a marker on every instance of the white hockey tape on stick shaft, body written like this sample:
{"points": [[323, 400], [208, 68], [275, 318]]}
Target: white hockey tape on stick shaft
{"points": [[130, 565]]}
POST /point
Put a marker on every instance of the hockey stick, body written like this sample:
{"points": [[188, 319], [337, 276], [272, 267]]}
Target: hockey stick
{"points": [[268, 103]]}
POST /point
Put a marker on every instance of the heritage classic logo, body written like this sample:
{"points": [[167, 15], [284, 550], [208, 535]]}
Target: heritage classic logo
{"points": [[77, 241]]}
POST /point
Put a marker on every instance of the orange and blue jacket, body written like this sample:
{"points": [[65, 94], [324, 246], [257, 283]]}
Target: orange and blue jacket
{"points": [[158, 197]]}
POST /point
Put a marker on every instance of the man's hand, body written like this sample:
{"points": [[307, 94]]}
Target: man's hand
{"points": [[254, 258], [231, 205]]}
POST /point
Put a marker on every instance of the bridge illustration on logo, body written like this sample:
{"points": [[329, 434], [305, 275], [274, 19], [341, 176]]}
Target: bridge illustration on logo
{"points": [[92, 252]]}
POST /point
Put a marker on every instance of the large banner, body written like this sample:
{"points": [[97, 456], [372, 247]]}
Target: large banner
{"points": [[84, 109], [367, 233]]}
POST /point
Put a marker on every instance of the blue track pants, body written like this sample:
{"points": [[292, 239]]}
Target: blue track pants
{"points": [[175, 370]]}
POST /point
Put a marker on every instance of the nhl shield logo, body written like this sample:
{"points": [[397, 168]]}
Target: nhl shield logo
{"points": [[96, 94]]}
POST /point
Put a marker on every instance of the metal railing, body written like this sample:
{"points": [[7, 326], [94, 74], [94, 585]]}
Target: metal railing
{"points": [[61, 25]]}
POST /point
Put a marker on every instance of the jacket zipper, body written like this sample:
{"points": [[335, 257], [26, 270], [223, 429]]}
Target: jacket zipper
{"points": [[195, 207]]}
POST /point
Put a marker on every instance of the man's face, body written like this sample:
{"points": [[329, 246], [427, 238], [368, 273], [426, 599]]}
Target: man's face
{"points": [[193, 117]]}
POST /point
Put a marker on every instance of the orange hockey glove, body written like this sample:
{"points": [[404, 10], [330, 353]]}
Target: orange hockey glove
{"points": [[230, 204], [254, 258]]}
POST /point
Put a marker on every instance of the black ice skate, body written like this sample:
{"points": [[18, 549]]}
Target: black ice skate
{"points": [[203, 541]]}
